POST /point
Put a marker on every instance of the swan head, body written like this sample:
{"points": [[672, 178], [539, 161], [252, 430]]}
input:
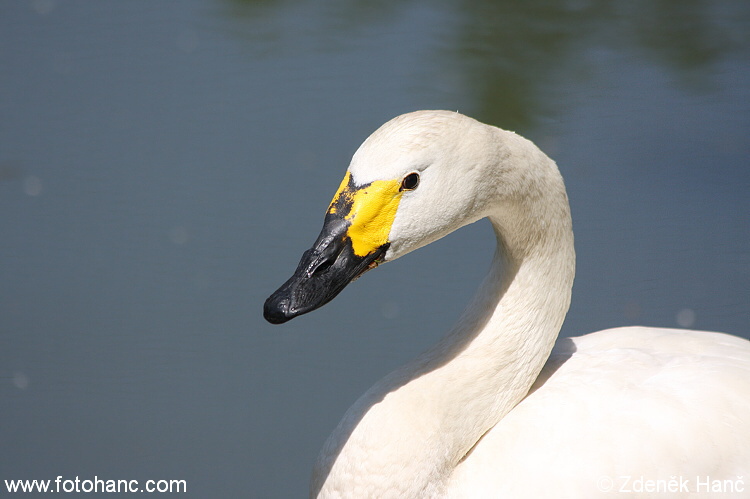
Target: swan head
{"points": [[414, 180]]}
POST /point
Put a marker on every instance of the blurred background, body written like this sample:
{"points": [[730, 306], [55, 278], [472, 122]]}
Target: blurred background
{"points": [[163, 165]]}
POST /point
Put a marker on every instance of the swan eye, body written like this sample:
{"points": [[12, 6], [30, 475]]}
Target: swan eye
{"points": [[410, 182]]}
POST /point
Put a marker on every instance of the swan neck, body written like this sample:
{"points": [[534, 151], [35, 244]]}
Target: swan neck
{"points": [[409, 432]]}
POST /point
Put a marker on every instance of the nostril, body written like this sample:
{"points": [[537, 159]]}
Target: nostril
{"points": [[323, 258], [322, 266]]}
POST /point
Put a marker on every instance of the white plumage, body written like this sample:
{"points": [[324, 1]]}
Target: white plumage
{"points": [[620, 405], [473, 417]]}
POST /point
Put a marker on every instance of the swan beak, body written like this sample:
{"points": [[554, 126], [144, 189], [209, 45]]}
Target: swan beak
{"points": [[354, 240]]}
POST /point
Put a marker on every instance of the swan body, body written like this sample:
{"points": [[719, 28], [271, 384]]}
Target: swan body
{"points": [[492, 410], [619, 405]]}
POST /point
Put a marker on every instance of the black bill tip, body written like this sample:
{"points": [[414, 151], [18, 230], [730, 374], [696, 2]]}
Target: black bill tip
{"points": [[276, 309]]}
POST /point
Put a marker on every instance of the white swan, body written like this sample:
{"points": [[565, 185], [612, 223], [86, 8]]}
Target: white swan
{"points": [[630, 409]]}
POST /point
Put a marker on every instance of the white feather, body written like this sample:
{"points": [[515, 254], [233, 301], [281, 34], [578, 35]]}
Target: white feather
{"points": [[473, 416]]}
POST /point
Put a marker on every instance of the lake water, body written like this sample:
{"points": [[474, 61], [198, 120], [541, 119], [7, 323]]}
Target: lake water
{"points": [[163, 165]]}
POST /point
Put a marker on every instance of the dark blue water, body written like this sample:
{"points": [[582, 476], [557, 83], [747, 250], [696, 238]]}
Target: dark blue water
{"points": [[164, 164]]}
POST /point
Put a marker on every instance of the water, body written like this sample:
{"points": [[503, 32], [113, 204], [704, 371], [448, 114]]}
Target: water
{"points": [[164, 165]]}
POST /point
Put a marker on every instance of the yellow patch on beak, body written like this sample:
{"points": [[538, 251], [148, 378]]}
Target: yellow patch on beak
{"points": [[370, 210]]}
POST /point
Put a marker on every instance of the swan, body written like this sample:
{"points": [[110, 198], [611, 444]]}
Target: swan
{"points": [[492, 410]]}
